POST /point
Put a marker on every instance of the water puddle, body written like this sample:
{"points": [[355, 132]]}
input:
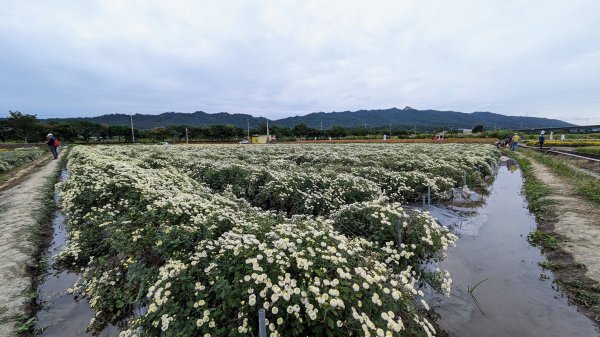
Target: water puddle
{"points": [[515, 297], [61, 314]]}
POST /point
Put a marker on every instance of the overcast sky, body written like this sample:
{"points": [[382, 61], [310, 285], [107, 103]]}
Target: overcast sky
{"points": [[283, 58]]}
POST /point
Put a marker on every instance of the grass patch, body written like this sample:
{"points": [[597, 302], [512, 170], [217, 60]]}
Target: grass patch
{"points": [[569, 143], [26, 326], [560, 265], [585, 185], [587, 294], [535, 191], [589, 149], [544, 240]]}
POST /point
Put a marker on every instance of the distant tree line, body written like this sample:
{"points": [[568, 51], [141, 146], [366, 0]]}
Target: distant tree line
{"points": [[27, 128]]}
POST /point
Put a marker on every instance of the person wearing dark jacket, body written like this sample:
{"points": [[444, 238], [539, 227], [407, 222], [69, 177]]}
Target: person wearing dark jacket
{"points": [[541, 140], [52, 145]]}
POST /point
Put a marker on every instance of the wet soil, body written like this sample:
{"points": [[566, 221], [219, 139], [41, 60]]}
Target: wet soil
{"points": [[515, 296], [20, 208], [578, 220]]}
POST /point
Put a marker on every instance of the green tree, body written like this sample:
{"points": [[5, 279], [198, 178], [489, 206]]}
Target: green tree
{"points": [[4, 131], [338, 132], [64, 131], [120, 131], [25, 126], [87, 130], [301, 130], [477, 128], [159, 134]]}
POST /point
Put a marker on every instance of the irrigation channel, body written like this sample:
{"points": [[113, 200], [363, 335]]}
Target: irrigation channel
{"points": [[498, 287], [61, 314]]}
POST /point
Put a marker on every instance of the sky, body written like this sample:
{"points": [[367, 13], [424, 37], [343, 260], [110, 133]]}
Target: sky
{"points": [[284, 58]]}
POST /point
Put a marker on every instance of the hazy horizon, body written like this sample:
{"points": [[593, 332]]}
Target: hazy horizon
{"points": [[276, 60]]}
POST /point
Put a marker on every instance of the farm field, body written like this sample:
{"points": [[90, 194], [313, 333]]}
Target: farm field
{"points": [[194, 240], [567, 143], [589, 149], [9, 159]]}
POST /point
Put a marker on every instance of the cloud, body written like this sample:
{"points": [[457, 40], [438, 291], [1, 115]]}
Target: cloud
{"points": [[276, 59]]}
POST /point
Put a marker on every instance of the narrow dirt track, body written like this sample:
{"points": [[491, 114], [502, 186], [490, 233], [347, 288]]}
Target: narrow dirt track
{"points": [[20, 207], [578, 220]]}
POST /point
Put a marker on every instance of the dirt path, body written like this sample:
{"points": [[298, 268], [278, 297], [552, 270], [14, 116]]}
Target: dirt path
{"points": [[578, 220], [20, 207]]}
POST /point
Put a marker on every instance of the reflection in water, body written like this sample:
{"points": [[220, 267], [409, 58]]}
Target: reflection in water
{"points": [[518, 298], [511, 166]]}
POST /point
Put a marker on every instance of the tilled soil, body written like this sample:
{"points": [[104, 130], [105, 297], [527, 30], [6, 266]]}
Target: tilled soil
{"points": [[20, 208]]}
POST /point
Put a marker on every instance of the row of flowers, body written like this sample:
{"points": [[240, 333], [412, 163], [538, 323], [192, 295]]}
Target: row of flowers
{"points": [[320, 178], [165, 250]]}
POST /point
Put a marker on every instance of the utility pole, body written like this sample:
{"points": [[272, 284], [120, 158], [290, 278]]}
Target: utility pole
{"points": [[267, 128], [132, 133], [321, 126], [187, 140], [390, 129], [248, 121]]}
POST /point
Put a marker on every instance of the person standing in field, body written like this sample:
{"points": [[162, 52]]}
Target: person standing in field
{"points": [[52, 145], [515, 142], [541, 139]]}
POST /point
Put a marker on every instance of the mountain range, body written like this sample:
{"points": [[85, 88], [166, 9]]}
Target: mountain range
{"points": [[407, 118]]}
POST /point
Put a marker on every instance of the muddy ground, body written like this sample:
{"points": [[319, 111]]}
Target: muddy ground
{"points": [[578, 220], [21, 207], [570, 234]]}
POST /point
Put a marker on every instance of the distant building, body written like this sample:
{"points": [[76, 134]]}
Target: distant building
{"points": [[466, 131]]}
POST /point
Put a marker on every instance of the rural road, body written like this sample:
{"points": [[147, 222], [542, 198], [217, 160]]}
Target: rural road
{"points": [[20, 208]]}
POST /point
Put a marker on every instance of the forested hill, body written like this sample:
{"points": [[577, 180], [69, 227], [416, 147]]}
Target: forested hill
{"points": [[198, 118], [407, 118]]}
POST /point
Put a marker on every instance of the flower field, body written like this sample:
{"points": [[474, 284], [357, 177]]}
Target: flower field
{"points": [[194, 240]]}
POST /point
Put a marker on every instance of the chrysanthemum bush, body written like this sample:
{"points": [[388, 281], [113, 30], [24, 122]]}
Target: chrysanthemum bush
{"points": [[418, 235], [167, 245], [310, 279]]}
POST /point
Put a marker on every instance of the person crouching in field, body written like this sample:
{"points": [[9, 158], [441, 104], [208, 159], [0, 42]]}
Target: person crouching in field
{"points": [[52, 145]]}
